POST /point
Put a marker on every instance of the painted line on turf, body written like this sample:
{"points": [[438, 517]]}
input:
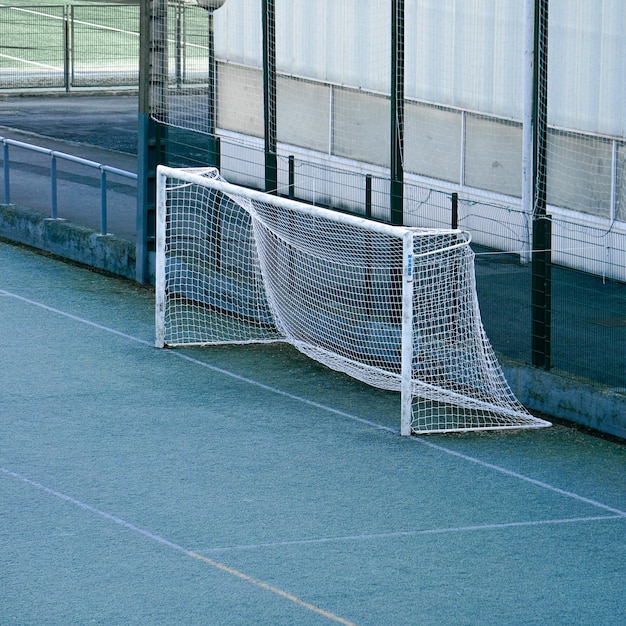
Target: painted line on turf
{"points": [[162, 540], [213, 368], [532, 481], [409, 533], [280, 592], [76, 318], [328, 409]]}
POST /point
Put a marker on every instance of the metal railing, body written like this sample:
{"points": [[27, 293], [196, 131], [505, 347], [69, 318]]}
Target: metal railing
{"points": [[54, 156]]}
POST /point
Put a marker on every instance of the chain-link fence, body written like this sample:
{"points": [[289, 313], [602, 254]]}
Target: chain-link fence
{"points": [[69, 46]]}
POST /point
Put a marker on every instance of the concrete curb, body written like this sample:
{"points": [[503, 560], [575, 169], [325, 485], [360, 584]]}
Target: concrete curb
{"points": [[568, 398], [68, 240]]}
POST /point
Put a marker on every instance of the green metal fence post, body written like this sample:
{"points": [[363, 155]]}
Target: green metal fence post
{"points": [[397, 112], [150, 143], [455, 210], [214, 145], [541, 290], [269, 95], [368, 195], [68, 14]]}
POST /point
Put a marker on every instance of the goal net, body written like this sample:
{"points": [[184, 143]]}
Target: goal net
{"points": [[394, 307]]}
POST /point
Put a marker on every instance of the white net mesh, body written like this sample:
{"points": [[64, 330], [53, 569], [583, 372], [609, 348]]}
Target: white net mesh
{"points": [[235, 266]]}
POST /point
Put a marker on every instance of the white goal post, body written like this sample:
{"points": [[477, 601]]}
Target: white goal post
{"points": [[394, 307]]}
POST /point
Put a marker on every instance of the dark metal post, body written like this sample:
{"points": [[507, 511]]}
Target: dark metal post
{"points": [[292, 177], [455, 210], [151, 136], [68, 13], [7, 184], [53, 186], [368, 195], [269, 95], [214, 141], [541, 291], [397, 112], [103, 201]]}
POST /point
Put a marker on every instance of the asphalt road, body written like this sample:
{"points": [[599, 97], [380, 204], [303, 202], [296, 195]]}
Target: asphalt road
{"points": [[98, 128], [108, 122]]}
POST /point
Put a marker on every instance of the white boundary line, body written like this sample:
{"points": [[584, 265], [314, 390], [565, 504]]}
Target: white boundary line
{"points": [[170, 544], [40, 65], [317, 405], [409, 533]]}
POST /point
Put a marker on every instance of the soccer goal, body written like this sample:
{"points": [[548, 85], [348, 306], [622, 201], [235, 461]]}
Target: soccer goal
{"points": [[394, 307]]}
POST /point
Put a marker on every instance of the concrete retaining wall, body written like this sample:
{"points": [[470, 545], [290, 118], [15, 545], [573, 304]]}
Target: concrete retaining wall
{"points": [[67, 240], [567, 398]]}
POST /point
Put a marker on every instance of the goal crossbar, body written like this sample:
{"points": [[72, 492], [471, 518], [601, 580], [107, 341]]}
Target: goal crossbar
{"points": [[392, 306]]}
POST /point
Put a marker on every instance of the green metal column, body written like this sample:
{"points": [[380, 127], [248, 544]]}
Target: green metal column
{"points": [[151, 140], [541, 290], [213, 141], [269, 95], [397, 112]]}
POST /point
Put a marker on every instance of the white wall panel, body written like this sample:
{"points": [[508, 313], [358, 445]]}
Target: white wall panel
{"points": [[238, 32], [466, 53], [587, 65]]}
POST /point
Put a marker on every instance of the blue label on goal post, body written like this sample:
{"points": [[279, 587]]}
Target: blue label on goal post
{"points": [[409, 267]]}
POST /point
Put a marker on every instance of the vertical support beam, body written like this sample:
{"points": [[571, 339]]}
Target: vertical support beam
{"points": [[178, 55], [53, 186], [541, 286], [463, 149], [614, 181], [152, 64], [368, 196], [68, 13], [541, 299], [528, 157], [103, 201], [212, 77], [397, 112], [159, 272], [144, 136], [213, 139], [269, 95], [292, 177], [6, 169]]}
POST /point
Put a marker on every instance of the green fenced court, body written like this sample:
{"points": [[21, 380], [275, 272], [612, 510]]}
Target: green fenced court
{"points": [[71, 45], [76, 45], [250, 485]]}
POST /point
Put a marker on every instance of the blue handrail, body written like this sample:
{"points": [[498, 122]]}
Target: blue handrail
{"points": [[54, 155]]}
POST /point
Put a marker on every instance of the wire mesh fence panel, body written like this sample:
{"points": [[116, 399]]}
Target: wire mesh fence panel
{"points": [[33, 45], [587, 134], [104, 45], [589, 327], [427, 207], [69, 46]]}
